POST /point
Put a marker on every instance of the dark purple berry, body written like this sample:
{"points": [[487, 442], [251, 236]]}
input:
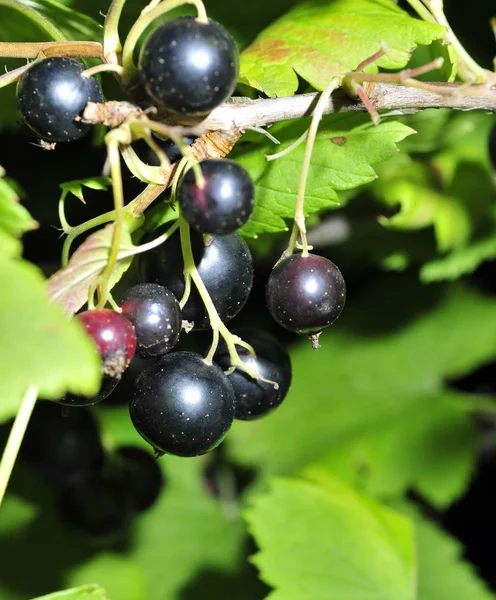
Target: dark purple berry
{"points": [[305, 293], [51, 96], [114, 337], [255, 398], [142, 476], [62, 448], [154, 311], [224, 264], [225, 201], [182, 405], [188, 66], [98, 506]]}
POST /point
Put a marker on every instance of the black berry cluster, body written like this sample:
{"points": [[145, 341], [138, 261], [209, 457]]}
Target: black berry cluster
{"points": [[98, 492], [181, 402]]}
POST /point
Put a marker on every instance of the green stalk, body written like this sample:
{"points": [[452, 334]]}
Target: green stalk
{"points": [[43, 23]]}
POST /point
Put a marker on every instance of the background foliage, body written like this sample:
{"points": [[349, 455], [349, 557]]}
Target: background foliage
{"points": [[342, 493]]}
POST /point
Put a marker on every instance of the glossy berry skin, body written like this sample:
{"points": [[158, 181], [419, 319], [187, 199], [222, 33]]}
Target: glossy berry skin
{"points": [[98, 506], [223, 204], [182, 405], [142, 476], [114, 337], [107, 386], [305, 293], [492, 147], [62, 448], [224, 264], [255, 398], [154, 311], [52, 94], [188, 66]]}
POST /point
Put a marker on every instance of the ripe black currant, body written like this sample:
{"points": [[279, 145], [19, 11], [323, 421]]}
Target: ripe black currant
{"points": [[107, 386], [142, 476], [52, 94], [182, 405], [154, 311], [255, 398], [61, 448], [98, 506], [492, 146], [224, 264], [305, 293], [223, 204], [114, 337], [189, 66]]}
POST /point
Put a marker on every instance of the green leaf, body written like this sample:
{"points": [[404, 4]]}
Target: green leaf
{"points": [[442, 574], [40, 345], [14, 218], [381, 370], [346, 149], [76, 186], [86, 592], [461, 261], [320, 540], [69, 286], [321, 40]]}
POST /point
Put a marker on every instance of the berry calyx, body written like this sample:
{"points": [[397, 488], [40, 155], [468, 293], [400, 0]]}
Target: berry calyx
{"points": [[188, 66], [182, 405], [142, 476], [62, 448], [224, 263], [254, 397], [114, 337], [225, 201], [52, 94], [305, 294], [154, 311]]}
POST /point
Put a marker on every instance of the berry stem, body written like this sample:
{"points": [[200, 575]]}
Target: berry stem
{"points": [[422, 11], [299, 220], [150, 245], [33, 15], [15, 438], [213, 348], [13, 76], [145, 19], [112, 46], [102, 68], [74, 232], [112, 140]]}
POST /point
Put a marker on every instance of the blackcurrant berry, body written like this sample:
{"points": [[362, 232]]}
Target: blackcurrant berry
{"points": [[114, 337], [492, 146], [52, 94], [142, 476], [154, 311], [225, 201], [305, 293], [189, 66], [224, 264], [255, 398], [98, 506], [182, 405], [107, 386], [62, 448]]}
